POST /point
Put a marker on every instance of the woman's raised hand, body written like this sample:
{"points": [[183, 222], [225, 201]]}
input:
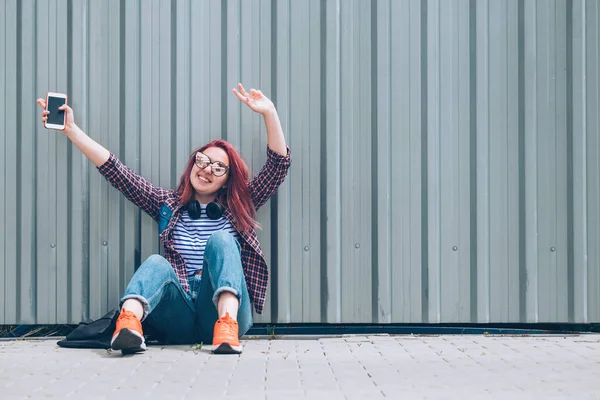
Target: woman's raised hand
{"points": [[69, 121], [257, 101]]}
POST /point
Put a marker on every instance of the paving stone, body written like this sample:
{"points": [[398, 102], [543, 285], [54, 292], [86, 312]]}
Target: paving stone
{"points": [[453, 367]]}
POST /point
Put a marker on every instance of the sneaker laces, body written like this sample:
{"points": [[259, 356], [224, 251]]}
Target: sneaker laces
{"points": [[129, 316], [227, 324]]}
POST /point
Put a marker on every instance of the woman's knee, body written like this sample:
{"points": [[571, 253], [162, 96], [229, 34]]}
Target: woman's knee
{"points": [[157, 265], [149, 282], [221, 240]]}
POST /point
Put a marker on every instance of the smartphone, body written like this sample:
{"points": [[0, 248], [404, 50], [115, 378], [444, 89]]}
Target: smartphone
{"points": [[56, 118]]}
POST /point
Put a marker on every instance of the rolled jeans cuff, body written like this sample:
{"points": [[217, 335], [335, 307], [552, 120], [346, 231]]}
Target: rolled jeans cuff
{"points": [[222, 289], [145, 304]]}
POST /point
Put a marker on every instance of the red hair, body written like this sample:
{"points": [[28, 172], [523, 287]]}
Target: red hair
{"points": [[236, 197]]}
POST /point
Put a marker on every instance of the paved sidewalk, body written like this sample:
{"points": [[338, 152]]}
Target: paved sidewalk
{"points": [[353, 367]]}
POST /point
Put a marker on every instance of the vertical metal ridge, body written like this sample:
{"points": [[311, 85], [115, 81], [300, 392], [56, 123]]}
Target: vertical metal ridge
{"points": [[275, 200], [424, 167], [174, 167], [69, 188], [374, 182], [122, 97], [122, 142], [85, 276], [123, 227], [390, 152], [531, 168], [584, 165], [3, 151], [388, 267], [188, 134], [138, 165], [339, 117], [473, 155], [332, 188], [34, 223], [224, 88], [483, 220], [323, 156], [522, 174], [570, 166], [579, 214], [19, 180]]}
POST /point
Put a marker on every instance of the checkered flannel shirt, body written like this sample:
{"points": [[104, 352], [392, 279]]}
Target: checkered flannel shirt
{"points": [[153, 199]]}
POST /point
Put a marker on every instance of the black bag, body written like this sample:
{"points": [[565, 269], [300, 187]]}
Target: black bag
{"points": [[93, 334], [97, 334]]}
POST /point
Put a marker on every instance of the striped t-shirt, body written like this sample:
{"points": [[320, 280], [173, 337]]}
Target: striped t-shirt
{"points": [[190, 237]]}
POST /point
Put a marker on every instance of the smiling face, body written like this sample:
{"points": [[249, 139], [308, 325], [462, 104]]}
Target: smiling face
{"points": [[206, 184]]}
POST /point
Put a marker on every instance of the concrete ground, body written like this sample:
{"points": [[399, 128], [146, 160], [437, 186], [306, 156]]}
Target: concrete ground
{"points": [[350, 367]]}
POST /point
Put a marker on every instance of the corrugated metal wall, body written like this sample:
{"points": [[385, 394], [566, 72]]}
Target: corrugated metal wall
{"points": [[445, 153]]}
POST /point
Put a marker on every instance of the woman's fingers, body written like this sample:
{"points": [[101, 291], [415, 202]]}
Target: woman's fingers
{"points": [[248, 98], [66, 108], [256, 94], [45, 112], [239, 96], [242, 90]]}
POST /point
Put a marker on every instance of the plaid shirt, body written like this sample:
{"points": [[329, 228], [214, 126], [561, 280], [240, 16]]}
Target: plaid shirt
{"points": [[164, 207]]}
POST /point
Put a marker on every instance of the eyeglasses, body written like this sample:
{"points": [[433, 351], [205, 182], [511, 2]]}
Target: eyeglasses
{"points": [[217, 167]]}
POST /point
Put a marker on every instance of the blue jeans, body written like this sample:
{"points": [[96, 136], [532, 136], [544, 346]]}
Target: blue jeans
{"points": [[187, 318]]}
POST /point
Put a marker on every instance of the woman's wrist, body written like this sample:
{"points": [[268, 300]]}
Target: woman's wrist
{"points": [[271, 111], [71, 130]]}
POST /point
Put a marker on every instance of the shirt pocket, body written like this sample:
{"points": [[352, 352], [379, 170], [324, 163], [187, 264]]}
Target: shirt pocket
{"points": [[164, 217]]}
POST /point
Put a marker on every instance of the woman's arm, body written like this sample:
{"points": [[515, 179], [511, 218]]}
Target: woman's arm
{"points": [[275, 139], [90, 148], [259, 103], [134, 187], [273, 173]]}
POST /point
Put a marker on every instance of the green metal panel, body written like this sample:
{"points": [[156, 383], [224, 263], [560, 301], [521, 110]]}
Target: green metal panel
{"points": [[9, 240], [26, 172], [398, 146], [445, 152], [587, 248]]}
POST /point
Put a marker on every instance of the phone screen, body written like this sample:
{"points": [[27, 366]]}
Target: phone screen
{"points": [[56, 116]]}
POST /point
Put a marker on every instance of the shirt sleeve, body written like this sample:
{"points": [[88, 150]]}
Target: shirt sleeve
{"points": [[134, 187], [272, 174]]}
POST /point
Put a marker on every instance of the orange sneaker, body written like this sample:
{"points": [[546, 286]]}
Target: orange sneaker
{"points": [[225, 337], [128, 336]]}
